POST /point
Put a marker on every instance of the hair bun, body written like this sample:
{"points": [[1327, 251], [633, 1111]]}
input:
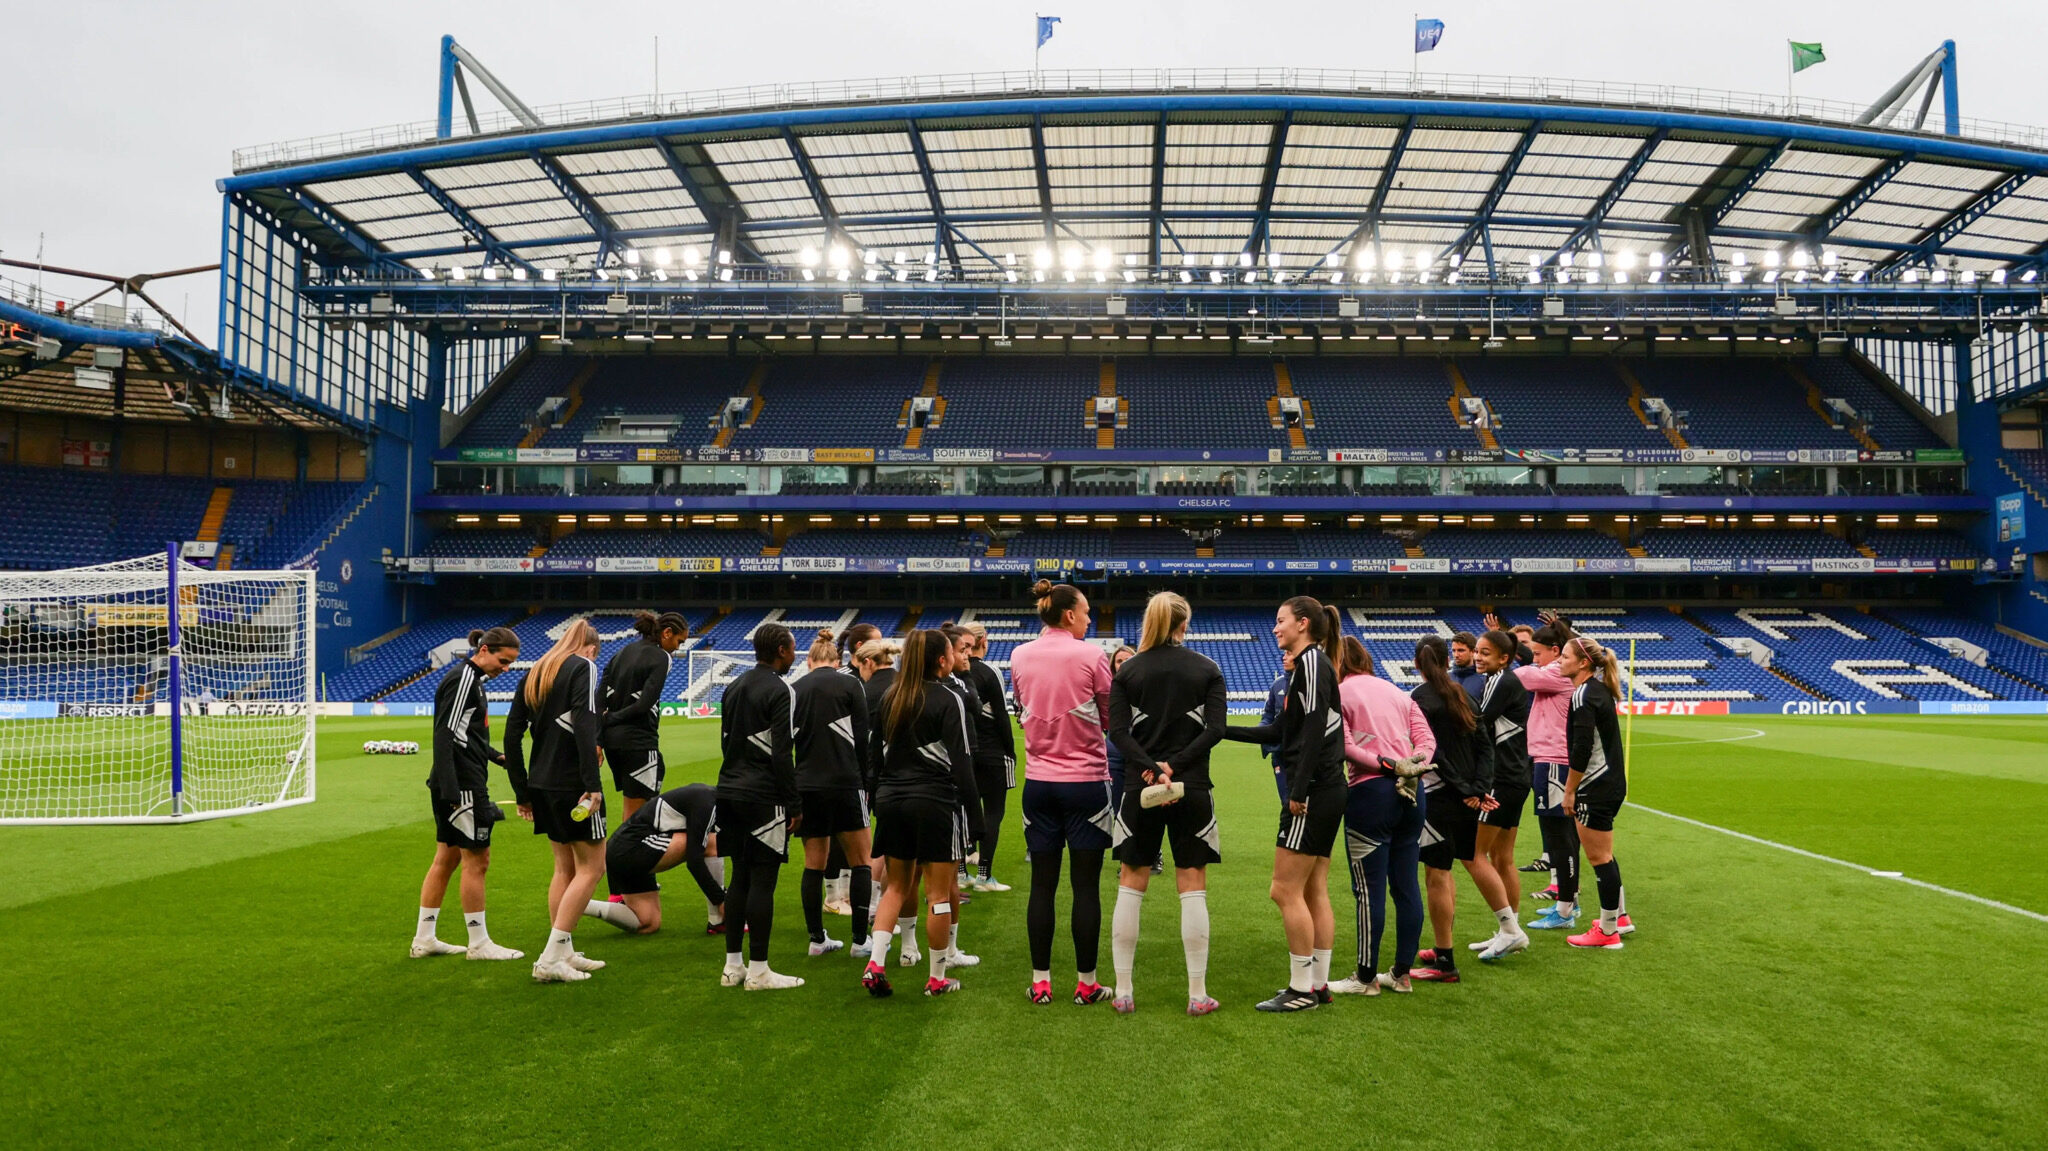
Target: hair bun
{"points": [[476, 637], [1042, 588], [825, 633]]}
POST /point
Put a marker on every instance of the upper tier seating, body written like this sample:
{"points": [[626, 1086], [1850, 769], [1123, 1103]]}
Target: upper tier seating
{"points": [[1025, 401], [1569, 402], [1891, 425], [500, 421], [1739, 403], [1379, 402], [682, 542], [1734, 543], [1474, 544], [1182, 401], [1920, 544], [833, 401], [693, 388]]}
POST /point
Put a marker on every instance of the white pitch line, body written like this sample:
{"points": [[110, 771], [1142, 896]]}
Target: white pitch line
{"points": [[1754, 733], [1921, 883]]}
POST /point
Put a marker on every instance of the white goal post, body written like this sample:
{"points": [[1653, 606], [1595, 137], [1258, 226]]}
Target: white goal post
{"points": [[115, 708]]}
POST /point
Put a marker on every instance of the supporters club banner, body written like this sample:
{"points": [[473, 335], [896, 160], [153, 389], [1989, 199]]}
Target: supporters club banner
{"points": [[922, 565], [85, 452]]}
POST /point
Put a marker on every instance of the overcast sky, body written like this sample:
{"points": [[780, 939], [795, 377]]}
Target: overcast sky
{"points": [[120, 115]]}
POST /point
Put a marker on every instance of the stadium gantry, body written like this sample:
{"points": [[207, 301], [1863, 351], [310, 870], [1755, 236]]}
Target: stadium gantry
{"points": [[890, 342]]}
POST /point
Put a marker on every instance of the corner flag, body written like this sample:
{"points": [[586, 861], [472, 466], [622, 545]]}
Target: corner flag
{"points": [[1427, 33], [1045, 24], [1805, 56]]}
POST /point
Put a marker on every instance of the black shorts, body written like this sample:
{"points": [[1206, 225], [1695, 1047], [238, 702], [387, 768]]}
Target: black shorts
{"points": [[833, 811], [630, 862], [752, 832], [1314, 833], [1547, 782], [1189, 824], [1450, 830], [994, 778], [1076, 815], [637, 772], [465, 823], [924, 830], [1596, 814], [1511, 789], [553, 816]]}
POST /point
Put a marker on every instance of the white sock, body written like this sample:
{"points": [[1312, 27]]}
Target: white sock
{"points": [[1319, 962], [1088, 976], [1038, 976], [560, 946], [1567, 910], [1194, 939], [1506, 918], [1624, 901], [479, 934], [953, 937], [1609, 919], [880, 941], [1300, 972], [906, 926], [1123, 936], [616, 914], [756, 967], [424, 930], [938, 962]]}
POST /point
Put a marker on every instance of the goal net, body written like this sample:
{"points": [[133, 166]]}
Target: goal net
{"points": [[115, 709], [711, 671]]}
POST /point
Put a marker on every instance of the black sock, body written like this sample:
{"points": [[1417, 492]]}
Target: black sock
{"points": [[860, 891], [1607, 876], [993, 801], [1085, 874], [737, 894], [1038, 909], [761, 908], [813, 893]]}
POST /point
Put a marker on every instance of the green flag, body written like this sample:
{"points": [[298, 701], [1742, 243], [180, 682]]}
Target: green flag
{"points": [[1805, 56]]}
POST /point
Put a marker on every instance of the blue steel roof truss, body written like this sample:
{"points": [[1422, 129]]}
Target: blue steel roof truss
{"points": [[1480, 227], [578, 199], [495, 251], [1939, 238], [1590, 230]]}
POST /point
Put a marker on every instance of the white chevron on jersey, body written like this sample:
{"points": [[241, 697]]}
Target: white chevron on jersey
{"points": [[667, 818], [1118, 832], [1336, 722], [1505, 729], [566, 721], [843, 728], [1199, 713], [1359, 846], [1138, 717], [936, 752], [775, 833], [764, 739], [1087, 710], [649, 773], [1106, 818], [1430, 834], [1210, 836]]}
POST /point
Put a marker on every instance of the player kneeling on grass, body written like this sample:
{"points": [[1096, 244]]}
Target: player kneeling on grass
{"points": [[671, 830], [1166, 711], [563, 795], [630, 694], [926, 776], [458, 784], [1598, 782]]}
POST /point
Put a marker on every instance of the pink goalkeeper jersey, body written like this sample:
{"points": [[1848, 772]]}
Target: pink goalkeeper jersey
{"points": [[1062, 688], [1550, 707], [1373, 707]]}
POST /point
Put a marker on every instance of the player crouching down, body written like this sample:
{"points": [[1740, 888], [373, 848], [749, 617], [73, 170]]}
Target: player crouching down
{"points": [[672, 830]]}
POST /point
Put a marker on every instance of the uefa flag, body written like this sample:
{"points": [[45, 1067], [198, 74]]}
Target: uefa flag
{"points": [[1045, 24], [1428, 32], [1805, 56]]}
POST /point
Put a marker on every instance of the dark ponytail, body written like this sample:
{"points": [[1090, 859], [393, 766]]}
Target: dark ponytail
{"points": [[1433, 662], [1055, 600], [903, 702], [1356, 661], [650, 626], [1324, 630], [493, 639]]}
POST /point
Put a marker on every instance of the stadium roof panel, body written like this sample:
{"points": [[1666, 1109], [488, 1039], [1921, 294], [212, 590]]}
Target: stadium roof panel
{"points": [[1292, 172]]}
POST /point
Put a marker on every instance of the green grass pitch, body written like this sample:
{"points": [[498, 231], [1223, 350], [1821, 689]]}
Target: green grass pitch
{"points": [[244, 983]]}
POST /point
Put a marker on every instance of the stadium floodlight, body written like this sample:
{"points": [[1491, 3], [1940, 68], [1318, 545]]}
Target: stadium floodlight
{"points": [[807, 256], [1735, 274], [1337, 277], [1367, 258], [1366, 277], [1592, 277], [1455, 260], [690, 274], [903, 275], [1010, 259], [1103, 258], [630, 274], [1620, 277], [1393, 277], [691, 256], [1998, 275], [1799, 277], [1626, 261], [1594, 259], [1535, 277], [1856, 277], [2028, 276], [809, 274], [1187, 259], [1334, 260], [662, 258], [1829, 259], [1656, 259], [1186, 277], [1564, 259], [725, 257], [1042, 258], [519, 273], [931, 275], [1130, 276], [601, 274], [1010, 275], [1911, 276], [661, 274], [725, 275], [837, 256], [1771, 258], [1770, 275], [1130, 259], [1244, 258], [426, 273], [1451, 277], [1070, 258], [1656, 275], [1940, 276], [1215, 277], [1038, 275], [1968, 276], [1799, 258], [1272, 259], [490, 273], [1828, 276], [456, 273], [1252, 277], [872, 275], [632, 256], [548, 274]]}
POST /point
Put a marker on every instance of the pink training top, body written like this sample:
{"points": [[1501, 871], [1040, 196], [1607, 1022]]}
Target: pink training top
{"points": [[1062, 687], [1550, 708], [1373, 707]]}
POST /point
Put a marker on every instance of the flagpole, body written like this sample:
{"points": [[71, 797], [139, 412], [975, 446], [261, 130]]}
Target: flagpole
{"points": [[1788, 79], [1414, 51]]}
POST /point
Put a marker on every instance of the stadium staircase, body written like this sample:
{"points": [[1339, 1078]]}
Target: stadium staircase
{"points": [[1460, 393], [1105, 438], [572, 399], [754, 405], [914, 436], [711, 621], [1283, 388], [1636, 551], [341, 521], [1819, 404], [1413, 551], [1866, 551], [2021, 480], [1694, 620], [1635, 404], [1797, 682], [996, 548], [910, 617]]}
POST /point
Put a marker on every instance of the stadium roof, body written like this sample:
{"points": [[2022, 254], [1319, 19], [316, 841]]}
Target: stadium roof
{"points": [[1143, 175]]}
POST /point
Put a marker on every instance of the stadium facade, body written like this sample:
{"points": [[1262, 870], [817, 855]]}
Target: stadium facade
{"points": [[1757, 387]]}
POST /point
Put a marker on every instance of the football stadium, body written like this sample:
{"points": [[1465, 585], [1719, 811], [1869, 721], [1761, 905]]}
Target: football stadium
{"points": [[916, 514]]}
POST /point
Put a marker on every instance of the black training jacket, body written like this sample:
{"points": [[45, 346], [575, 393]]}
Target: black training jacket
{"points": [[929, 758], [754, 731], [831, 731], [1464, 756], [630, 694], [876, 687], [1311, 728], [1167, 705], [1504, 711], [995, 743], [462, 733], [564, 730], [1594, 735]]}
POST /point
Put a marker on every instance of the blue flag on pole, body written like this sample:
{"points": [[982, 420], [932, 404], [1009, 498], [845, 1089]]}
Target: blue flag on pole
{"points": [[1045, 24], [1427, 33]]}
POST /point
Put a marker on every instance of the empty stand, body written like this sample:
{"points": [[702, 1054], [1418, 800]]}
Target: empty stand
{"points": [[1550, 403]]}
